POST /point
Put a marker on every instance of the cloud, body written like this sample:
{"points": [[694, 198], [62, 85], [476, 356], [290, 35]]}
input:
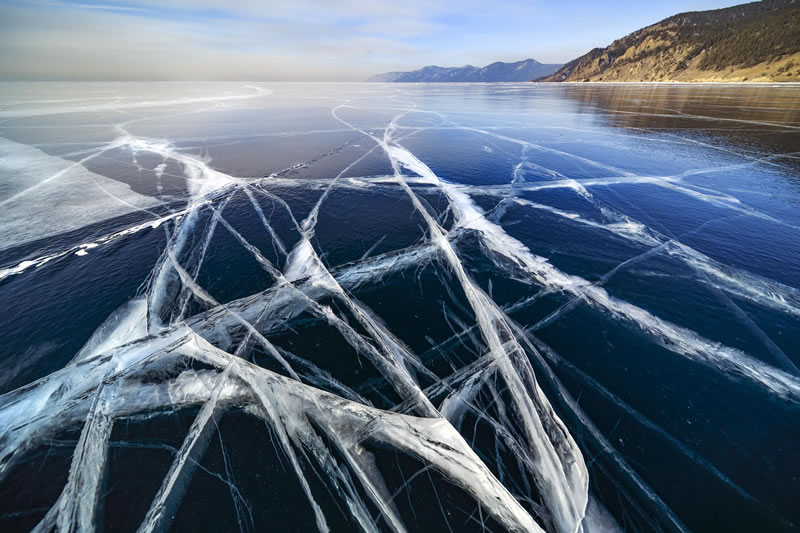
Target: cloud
{"points": [[96, 42], [110, 7], [283, 39]]}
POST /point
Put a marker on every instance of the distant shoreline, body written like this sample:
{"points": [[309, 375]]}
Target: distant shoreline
{"points": [[789, 83], [518, 83], [686, 83]]}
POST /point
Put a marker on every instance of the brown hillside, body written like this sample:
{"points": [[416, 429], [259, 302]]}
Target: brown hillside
{"points": [[759, 41]]}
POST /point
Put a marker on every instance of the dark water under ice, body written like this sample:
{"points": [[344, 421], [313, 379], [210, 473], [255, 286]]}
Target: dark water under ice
{"points": [[274, 307]]}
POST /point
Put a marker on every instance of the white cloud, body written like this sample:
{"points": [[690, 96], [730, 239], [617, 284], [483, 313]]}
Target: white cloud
{"points": [[237, 39]]}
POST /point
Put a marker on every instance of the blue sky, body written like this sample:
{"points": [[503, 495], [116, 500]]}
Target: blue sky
{"points": [[303, 40]]}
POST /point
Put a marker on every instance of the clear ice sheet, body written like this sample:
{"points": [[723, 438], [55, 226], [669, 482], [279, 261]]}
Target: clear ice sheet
{"points": [[414, 308]]}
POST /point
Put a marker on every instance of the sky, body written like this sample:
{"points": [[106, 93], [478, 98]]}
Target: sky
{"points": [[303, 40]]}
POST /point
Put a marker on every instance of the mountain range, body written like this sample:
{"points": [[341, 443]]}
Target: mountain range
{"points": [[759, 41], [524, 70]]}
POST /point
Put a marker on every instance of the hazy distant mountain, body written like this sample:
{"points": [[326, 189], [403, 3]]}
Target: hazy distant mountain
{"points": [[759, 41], [524, 70]]}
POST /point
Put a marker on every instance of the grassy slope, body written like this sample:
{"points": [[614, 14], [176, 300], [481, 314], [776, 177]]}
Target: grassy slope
{"points": [[759, 41]]}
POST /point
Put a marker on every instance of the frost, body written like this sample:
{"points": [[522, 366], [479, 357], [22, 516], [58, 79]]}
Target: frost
{"points": [[50, 195]]}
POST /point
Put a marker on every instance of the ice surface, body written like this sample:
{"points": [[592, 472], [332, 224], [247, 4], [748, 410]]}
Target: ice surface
{"points": [[482, 408], [45, 195]]}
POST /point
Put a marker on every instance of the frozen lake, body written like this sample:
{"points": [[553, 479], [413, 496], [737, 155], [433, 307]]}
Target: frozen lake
{"points": [[302, 307]]}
